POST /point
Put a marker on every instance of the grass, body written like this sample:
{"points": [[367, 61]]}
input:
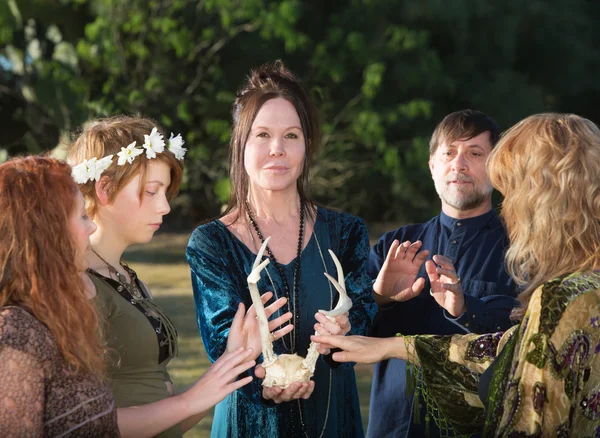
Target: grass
{"points": [[161, 264]]}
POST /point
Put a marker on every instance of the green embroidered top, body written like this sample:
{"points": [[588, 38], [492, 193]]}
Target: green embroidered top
{"points": [[546, 378]]}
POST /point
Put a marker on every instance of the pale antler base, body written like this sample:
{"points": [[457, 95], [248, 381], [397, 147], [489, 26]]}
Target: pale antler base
{"points": [[287, 369]]}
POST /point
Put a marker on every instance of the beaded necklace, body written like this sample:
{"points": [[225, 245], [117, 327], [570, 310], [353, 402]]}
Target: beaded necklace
{"points": [[145, 304], [298, 403], [293, 297]]}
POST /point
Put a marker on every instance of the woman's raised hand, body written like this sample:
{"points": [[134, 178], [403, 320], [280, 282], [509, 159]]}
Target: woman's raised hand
{"points": [[244, 332]]}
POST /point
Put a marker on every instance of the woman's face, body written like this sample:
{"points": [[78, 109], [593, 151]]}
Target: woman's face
{"points": [[135, 220], [276, 147], [81, 228]]}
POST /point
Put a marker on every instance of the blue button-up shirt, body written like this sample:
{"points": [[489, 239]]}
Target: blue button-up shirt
{"points": [[477, 247]]}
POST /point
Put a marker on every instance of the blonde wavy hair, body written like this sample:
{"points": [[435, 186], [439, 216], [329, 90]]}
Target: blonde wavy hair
{"points": [[547, 167]]}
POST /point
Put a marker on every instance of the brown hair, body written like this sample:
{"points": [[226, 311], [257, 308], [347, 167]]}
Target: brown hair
{"points": [[38, 257], [463, 125], [546, 166], [103, 137], [268, 82]]}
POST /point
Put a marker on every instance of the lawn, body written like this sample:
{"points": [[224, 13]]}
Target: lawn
{"points": [[161, 264]]}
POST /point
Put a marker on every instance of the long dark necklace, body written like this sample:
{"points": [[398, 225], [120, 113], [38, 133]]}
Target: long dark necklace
{"points": [[293, 298]]}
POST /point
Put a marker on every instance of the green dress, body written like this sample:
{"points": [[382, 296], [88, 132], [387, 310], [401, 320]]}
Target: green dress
{"points": [[545, 379], [136, 376]]}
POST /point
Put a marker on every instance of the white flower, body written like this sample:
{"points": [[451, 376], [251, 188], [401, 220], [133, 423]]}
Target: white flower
{"points": [[128, 154], [176, 146], [154, 143], [99, 166], [81, 173]]}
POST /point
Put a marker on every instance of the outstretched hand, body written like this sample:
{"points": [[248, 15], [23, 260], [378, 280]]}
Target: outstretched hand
{"points": [[245, 333], [296, 390], [363, 349], [219, 380], [397, 280], [446, 288]]}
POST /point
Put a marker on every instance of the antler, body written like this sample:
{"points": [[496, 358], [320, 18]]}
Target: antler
{"points": [[344, 304], [263, 323]]}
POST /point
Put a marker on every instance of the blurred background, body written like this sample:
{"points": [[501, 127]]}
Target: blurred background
{"points": [[383, 73]]}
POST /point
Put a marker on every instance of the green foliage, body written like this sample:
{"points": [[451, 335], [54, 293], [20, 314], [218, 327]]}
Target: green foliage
{"points": [[382, 78]]}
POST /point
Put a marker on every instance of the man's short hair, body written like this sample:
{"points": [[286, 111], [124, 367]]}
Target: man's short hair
{"points": [[463, 125]]}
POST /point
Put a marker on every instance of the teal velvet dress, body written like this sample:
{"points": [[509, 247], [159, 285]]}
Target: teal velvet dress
{"points": [[220, 264]]}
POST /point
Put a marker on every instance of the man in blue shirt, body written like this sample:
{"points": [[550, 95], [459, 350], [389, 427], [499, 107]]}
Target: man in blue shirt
{"points": [[462, 288]]}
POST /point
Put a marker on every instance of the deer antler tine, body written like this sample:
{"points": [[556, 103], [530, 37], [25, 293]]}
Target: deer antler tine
{"points": [[338, 287], [344, 302], [339, 269], [261, 251]]}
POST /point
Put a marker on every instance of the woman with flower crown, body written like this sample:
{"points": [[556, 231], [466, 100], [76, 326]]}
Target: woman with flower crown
{"points": [[275, 135], [128, 174]]}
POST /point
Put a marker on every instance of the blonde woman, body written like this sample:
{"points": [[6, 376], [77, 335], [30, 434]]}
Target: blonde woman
{"points": [[542, 377]]}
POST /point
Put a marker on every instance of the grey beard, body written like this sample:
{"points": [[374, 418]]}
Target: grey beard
{"points": [[463, 201]]}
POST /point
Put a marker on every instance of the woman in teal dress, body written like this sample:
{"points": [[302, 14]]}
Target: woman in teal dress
{"points": [[274, 137], [542, 376]]}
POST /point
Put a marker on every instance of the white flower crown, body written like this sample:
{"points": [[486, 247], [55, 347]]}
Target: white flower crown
{"points": [[153, 144]]}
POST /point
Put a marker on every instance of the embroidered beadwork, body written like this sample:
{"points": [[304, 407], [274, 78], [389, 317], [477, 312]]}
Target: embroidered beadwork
{"points": [[483, 348], [590, 405], [539, 397]]}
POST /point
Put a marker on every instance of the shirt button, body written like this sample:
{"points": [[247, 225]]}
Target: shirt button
{"points": [[454, 242], [473, 316], [458, 224], [498, 328]]}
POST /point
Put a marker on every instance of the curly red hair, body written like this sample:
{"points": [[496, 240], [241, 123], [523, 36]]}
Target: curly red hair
{"points": [[37, 257]]}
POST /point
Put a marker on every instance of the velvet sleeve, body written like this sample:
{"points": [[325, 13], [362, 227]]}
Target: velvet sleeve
{"points": [[355, 261], [552, 387], [216, 292], [449, 369]]}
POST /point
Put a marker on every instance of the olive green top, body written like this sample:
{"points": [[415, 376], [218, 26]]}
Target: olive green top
{"points": [[135, 376]]}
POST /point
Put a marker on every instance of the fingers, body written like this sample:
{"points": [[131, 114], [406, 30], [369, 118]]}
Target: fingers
{"points": [[441, 266], [260, 372], [238, 384], [431, 270], [231, 374], [324, 349], [264, 298], [342, 342], [332, 327], [279, 321], [393, 251], [238, 319], [295, 391], [418, 286], [282, 332], [443, 261], [309, 390], [408, 250], [274, 307], [453, 287], [230, 359]]}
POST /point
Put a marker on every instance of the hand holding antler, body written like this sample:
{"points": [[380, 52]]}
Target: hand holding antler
{"points": [[245, 332]]}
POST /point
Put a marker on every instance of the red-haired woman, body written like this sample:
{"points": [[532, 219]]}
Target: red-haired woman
{"points": [[51, 364]]}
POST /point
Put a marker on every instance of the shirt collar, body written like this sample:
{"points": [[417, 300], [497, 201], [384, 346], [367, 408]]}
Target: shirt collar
{"points": [[471, 223]]}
